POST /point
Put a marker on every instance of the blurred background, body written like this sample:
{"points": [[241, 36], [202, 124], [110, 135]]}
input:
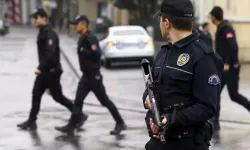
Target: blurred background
{"points": [[105, 13]]}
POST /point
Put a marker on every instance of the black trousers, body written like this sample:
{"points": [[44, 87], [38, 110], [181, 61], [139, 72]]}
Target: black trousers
{"points": [[231, 79], [183, 144], [51, 81], [93, 83]]}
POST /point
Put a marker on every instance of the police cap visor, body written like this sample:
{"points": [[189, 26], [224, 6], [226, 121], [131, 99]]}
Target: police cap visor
{"points": [[39, 12], [78, 19], [176, 8]]}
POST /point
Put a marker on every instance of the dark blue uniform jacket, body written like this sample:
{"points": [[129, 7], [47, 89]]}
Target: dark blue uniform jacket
{"points": [[226, 44], [188, 72]]}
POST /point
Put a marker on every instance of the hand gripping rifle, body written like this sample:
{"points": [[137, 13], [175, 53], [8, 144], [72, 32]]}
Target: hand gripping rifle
{"points": [[146, 70]]}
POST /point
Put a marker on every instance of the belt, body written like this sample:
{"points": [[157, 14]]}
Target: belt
{"points": [[52, 70], [236, 65], [91, 73], [180, 134], [177, 106]]}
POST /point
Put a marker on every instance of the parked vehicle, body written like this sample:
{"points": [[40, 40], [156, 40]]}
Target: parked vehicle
{"points": [[126, 43]]}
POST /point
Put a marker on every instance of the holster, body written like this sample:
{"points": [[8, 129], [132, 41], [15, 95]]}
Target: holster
{"points": [[204, 134]]}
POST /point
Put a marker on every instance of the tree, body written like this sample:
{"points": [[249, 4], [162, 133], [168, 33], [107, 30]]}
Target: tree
{"points": [[144, 8], [125, 4]]}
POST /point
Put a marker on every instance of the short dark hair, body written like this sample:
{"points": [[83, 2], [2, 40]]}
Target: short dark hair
{"points": [[39, 12], [42, 16], [217, 12], [204, 25], [179, 23]]}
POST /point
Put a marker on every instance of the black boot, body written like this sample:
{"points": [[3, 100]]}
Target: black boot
{"points": [[118, 128], [28, 125], [69, 128], [82, 120]]}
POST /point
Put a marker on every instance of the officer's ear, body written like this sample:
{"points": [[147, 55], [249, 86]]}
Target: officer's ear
{"points": [[167, 23]]}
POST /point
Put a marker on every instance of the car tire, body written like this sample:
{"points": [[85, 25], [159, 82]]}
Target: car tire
{"points": [[107, 63]]}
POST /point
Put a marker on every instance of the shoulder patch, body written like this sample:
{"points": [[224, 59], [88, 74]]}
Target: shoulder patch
{"points": [[50, 42], [229, 35], [214, 79], [93, 47]]}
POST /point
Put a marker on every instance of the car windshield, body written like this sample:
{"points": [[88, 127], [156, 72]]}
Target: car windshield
{"points": [[128, 32]]}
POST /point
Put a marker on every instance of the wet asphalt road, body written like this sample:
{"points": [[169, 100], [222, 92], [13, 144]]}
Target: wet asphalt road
{"points": [[18, 61]]}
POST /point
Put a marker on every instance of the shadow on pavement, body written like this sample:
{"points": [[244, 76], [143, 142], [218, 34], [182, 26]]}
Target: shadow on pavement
{"points": [[74, 140], [35, 138]]}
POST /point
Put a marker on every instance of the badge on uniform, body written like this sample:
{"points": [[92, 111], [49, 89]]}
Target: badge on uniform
{"points": [[214, 79], [81, 49], [183, 59]]}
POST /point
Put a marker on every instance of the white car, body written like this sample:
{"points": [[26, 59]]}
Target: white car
{"points": [[126, 43]]}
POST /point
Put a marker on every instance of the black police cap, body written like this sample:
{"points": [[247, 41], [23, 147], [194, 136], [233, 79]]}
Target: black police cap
{"points": [[80, 18], [39, 12], [176, 8], [216, 10]]}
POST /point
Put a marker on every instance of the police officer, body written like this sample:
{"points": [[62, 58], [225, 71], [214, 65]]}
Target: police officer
{"points": [[49, 70], [227, 47], [188, 75], [89, 54], [205, 29]]}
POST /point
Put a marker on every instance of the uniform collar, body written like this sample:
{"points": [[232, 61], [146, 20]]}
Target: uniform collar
{"points": [[44, 26], [168, 45], [86, 34], [185, 41]]}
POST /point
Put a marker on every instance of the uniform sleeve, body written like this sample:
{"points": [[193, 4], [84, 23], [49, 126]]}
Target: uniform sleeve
{"points": [[206, 91], [93, 50], [50, 50], [231, 45]]}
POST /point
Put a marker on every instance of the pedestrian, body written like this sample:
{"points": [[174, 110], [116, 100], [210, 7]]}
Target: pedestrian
{"points": [[187, 74], [49, 70], [226, 47], [89, 54], [206, 31]]}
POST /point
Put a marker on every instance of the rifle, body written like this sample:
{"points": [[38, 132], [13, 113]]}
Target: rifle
{"points": [[146, 70]]}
